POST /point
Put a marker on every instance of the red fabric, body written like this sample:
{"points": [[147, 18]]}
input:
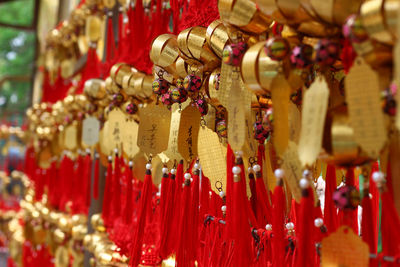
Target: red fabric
{"points": [[390, 224], [91, 69], [96, 178], [143, 214], [305, 248], [116, 188], [350, 215], [128, 201], [348, 55], [51, 93], [278, 221], [107, 195], [367, 226], [198, 13], [165, 212], [183, 250], [330, 212]]}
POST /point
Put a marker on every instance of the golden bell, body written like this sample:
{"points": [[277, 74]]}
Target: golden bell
{"points": [[258, 70]]}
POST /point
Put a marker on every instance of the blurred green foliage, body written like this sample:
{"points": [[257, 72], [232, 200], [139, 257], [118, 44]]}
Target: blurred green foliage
{"points": [[17, 48]]}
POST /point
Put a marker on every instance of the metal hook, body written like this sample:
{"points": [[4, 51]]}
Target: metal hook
{"points": [[218, 186]]}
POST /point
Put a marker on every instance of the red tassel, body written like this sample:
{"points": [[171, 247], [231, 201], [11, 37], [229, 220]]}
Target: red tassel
{"points": [[128, 202], [390, 221], [96, 177], [107, 193], [110, 52], [367, 225], [183, 250], [330, 211], [278, 221], [165, 211], [241, 250], [373, 190], [194, 213], [305, 248], [91, 69], [116, 188], [87, 176], [253, 198], [230, 159], [143, 213], [169, 220], [348, 55], [350, 216]]}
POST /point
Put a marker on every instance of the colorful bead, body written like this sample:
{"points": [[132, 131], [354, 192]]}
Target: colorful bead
{"points": [[118, 99], [131, 108], [277, 48], [354, 30], [160, 86], [326, 52], [202, 106], [260, 132], [179, 95], [192, 83], [166, 99], [233, 53], [301, 56], [346, 197], [222, 129]]}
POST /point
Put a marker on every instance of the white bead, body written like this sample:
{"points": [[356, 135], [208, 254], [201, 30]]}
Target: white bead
{"points": [[249, 169], [210, 193], [187, 175], [130, 163], [306, 173], [191, 179], [173, 171], [222, 194], [290, 226], [87, 151], [279, 173], [304, 183], [378, 177], [97, 155], [196, 166], [115, 150], [109, 158], [236, 170], [164, 170], [158, 194], [256, 168], [148, 166], [223, 208], [268, 227], [239, 153], [318, 222]]}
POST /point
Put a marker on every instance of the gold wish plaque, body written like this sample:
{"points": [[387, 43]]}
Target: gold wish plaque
{"points": [[236, 116], [105, 144], [90, 131], [336, 247], [280, 94], [212, 155], [154, 126], [116, 120], [188, 132], [71, 136], [292, 166], [365, 111], [129, 137], [315, 105], [172, 151]]}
